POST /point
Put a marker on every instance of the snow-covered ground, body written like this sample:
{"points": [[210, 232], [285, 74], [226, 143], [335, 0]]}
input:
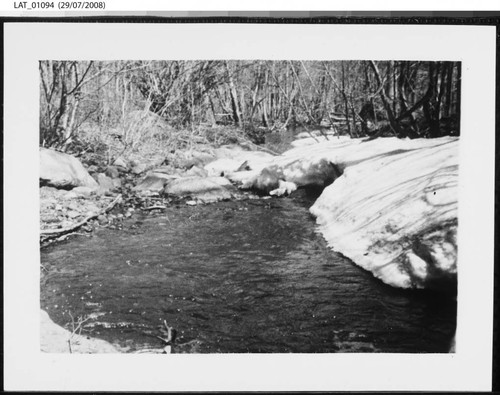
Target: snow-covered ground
{"points": [[55, 339], [392, 208]]}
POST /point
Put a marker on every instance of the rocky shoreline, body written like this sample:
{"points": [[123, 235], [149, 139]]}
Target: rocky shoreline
{"points": [[74, 199]]}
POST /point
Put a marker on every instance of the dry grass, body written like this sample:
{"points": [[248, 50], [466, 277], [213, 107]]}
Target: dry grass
{"points": [[146, 138]]}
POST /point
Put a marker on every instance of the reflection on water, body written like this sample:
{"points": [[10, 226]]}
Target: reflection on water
{"points": [[249, 276]]}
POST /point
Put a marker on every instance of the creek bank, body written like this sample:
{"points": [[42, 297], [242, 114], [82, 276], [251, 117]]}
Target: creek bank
{"points": [[392, 208], [390, 205], [73, 198]]}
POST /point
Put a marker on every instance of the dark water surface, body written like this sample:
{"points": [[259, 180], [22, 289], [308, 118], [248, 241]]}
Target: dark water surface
{"points": [[248, 276]]}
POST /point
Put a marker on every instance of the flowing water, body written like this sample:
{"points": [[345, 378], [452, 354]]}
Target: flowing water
{"points": [[235, 277]]}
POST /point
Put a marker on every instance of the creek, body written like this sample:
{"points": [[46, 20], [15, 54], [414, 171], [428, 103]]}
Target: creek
{"points": [[235, 277]]}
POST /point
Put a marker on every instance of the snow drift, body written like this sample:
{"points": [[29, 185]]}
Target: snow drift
{"points": [[392, 208]]}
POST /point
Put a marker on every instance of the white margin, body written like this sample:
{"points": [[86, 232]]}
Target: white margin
{"points": [[27, 369]]}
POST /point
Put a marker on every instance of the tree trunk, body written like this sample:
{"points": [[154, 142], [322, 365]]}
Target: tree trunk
{"points": [[346, 105], [448, 96], [431, 109], [402, 99], [234, 97], [265, 119], [392, 120], [390, 87], [458, 93], [353, 116]]}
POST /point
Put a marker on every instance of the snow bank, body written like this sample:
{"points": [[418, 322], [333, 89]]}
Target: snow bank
{"points": [[395, 212], [235, 159], [392, 208]]}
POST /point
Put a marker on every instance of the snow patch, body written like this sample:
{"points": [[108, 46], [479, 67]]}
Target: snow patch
{"points": [[284, 188]]}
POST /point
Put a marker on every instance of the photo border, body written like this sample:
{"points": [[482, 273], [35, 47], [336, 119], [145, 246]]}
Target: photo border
{"points": [[44, 371]]}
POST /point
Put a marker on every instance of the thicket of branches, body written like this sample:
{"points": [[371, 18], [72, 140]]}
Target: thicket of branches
{"points": [[356, 98]]}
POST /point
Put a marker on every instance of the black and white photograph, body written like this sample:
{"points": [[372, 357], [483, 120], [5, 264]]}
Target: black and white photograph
{"points": [[249, 206], [257, 206]]}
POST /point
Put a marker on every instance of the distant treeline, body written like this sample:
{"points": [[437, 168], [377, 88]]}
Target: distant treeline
{"points": [[356, 98]]}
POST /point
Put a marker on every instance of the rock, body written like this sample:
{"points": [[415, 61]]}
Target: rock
{"points": [[117, 183], [120, 163], [222, 181], [51, 192], [49, 218], [112, 172], [222, 167], [245, 179], [184, 163], [63, 171], [139, 168], [70, 195], [198, 159], [164, 169], [65, 224], [209, 189], [105, 183], [255, 160], [73, 206], [47, 202], [196, 171], [83, 191], [73, 214], [202, 158], [92, 209], [214, 195], [244, 167], [147, 193], [267, 180], [154, 182]]}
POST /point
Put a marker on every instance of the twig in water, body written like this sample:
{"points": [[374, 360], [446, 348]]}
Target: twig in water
{"points": [[171, 334]]}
